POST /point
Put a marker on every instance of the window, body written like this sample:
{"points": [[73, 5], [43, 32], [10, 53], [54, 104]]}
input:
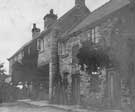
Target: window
{"points": [[59, 49], [93, 34], [75, 50], [97, 34], [63, 49], [22, 53], [40, 45], [29, 50], [15, 58], [89, 34]]}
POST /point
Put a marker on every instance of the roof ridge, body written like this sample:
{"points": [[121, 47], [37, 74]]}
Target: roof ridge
{"points": [[101, 12], [57, 23]]}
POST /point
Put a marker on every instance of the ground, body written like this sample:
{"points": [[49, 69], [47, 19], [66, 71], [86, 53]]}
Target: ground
{"points": [[40, 106], [22, 107]]}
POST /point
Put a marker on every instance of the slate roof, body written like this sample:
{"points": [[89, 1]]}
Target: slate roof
{"points": [[72, 18], [66, 23], [20, 49], [69, 20], [98, 14]]}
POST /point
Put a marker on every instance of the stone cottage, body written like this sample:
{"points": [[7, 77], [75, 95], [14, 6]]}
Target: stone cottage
{"points": [[109, 28], [36, 63]]}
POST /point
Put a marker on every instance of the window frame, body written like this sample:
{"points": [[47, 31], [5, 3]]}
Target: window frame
{"points": [[93, 35], [29, 50], [42, 45], [38, 44]]}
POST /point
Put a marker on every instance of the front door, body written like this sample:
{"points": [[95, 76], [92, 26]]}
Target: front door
{"points": [[113, 88]]}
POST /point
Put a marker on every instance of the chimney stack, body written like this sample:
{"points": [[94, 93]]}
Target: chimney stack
{"points": [[79, 2], [49, 19], [35, 31]]}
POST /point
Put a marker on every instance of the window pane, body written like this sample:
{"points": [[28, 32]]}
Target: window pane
{"points": [[59, 48], [97, 34], [28, 50], [41, 45], [90, 35], [63, 49], [93, 35], [38, 44]]}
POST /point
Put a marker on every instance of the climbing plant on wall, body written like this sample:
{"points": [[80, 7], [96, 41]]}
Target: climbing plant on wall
{"points": [[92, 59]]}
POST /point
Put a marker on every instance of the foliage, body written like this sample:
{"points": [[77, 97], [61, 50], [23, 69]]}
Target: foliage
{"points": [[7, 92], [92, 57], [3, 75], [2, 70], [22, 73]]}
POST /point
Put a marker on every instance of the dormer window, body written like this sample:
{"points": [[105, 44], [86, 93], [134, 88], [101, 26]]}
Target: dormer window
{"points": [[40, 45]]}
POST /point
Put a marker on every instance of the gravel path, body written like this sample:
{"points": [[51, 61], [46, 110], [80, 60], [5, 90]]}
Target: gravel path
{"points": [[21, 107]]}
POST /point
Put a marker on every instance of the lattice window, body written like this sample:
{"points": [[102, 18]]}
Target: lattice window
{"points": [[94, 35]]}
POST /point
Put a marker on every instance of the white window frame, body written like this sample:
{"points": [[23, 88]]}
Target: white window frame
{"points": [[38, 44], [42, 45]]}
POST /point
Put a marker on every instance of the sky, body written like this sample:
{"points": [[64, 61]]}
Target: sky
{"points": [[17, 17]]}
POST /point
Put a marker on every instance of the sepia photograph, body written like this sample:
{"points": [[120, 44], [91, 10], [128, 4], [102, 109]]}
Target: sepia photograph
{"points": [[67, 55]]}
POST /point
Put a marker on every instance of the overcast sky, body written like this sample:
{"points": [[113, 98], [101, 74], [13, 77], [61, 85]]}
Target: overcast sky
{"points": [[17, 17]]}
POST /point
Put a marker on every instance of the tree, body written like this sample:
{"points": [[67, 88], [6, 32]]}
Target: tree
{"points": [[3, 75], [2, 80], [7, 92]]}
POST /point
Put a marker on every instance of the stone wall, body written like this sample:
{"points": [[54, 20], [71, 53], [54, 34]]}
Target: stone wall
{"points": [[45, 54], [116, 35]]}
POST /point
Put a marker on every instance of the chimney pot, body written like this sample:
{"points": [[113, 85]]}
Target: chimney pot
{"points": [[51, 11], [49, 19], [34, 25], [35, 31]]}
